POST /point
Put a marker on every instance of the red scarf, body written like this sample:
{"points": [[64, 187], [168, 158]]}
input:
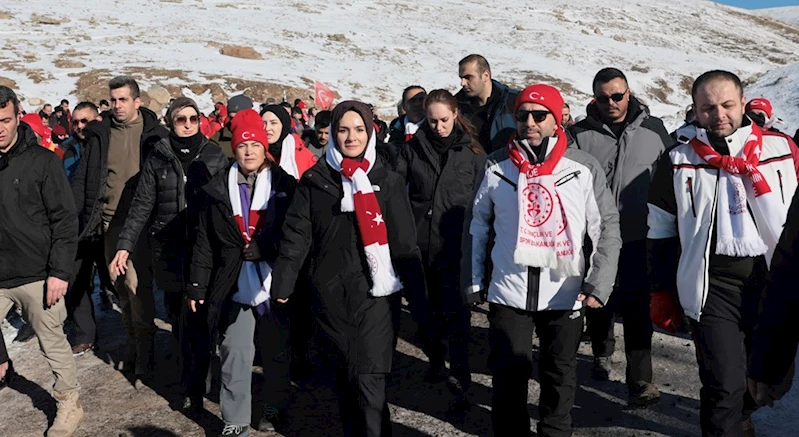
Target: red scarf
{"points": [[367, 210], [544, 168], [735, 165]]}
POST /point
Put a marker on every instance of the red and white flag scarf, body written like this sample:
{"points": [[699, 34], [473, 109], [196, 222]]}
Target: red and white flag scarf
{"points": [[360, 198], [255, 277], [544, 238], [411, 128], [742, 185]]}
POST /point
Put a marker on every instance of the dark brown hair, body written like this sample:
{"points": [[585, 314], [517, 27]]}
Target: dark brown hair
{"points": [[446, 98]]}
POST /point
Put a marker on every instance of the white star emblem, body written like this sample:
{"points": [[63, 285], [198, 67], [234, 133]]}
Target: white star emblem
{"points": [[378, 219]]}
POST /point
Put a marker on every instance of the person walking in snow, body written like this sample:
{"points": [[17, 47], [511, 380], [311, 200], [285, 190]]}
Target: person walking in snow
{"points": [[287, 148]]}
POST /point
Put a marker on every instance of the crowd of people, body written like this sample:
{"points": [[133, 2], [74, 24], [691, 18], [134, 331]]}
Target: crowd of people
{"points": [[265, 229]]}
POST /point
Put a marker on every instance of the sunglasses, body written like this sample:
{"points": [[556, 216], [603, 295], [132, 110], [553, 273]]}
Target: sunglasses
{"points": [[538, 115], [182, 119], [616, 97], [81, 121]]}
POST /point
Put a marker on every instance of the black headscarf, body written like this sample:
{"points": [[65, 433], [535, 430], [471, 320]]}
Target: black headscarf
{"points": [[276, 148], [362, 109]]}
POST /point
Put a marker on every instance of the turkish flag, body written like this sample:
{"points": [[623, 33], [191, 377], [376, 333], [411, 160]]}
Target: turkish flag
{"points": [[324, 97]]}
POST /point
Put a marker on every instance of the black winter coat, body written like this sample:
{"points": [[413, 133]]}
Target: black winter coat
{"points": [[38, 224], [217, 255], [360, 328], [439, 196], [167, 200], [88, 182]]}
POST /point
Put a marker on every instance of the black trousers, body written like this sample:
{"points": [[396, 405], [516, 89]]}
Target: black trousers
{"points": [[511, 360], [631, 300], [363, 404], [80, 308], [274, 340], [723, 339], [302, 328], [449, 320]]}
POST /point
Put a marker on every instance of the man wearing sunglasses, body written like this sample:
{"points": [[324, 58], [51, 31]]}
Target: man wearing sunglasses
{"points": [[627, 141], [38, 229], [103, 187], [539, 199], [486, 103]]}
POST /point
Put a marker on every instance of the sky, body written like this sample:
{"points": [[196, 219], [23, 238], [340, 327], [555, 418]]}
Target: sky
{"points": [[757, 4]]}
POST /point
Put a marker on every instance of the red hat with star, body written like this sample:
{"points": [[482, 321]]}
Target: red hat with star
{"points": [[761, 104], [247, 125], [544, 95]]}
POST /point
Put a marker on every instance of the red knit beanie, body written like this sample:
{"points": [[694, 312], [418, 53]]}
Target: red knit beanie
{"points": [[761, 104], [544, 95], [247, 125]]}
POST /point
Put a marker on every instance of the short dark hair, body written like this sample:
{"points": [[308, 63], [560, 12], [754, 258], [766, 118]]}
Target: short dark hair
{"points": [[411, 88], [566, 105], [125, 81], [87, 105], [285, 104], [297, 101], [58, 109], [46, 105], [605, 75], [482, 63], [714, 75], [7, 95], [296, 110], [104, 102], [65, 101], [323, 119]]}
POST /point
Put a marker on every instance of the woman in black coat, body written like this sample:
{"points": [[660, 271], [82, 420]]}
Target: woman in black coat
{"points": [[350, 218], [165, 206], [236, 246], [440, 165]]}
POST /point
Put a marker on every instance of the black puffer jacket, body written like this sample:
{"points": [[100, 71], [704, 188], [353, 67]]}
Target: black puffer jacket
{"points": [[339, 272], [217, 255], [167, 195], [38, 225], [440, 193], [88, 182]]}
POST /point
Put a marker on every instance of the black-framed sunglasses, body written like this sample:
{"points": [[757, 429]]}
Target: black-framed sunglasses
{"points": [[539, 115], [181, 119], [616, 97], [76, 122]]}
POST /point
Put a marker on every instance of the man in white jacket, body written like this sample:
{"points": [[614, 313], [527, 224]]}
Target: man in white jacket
{"points": [[540, 199], [717, 205]]}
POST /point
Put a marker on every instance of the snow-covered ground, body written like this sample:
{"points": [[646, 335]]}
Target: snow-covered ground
{"points": [[781, 87], [787, 14], [373, 49]]}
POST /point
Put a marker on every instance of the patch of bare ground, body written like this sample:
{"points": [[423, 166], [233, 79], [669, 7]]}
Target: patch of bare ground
{"points": [[531, 77], [68, 63], [661, 91], [5, 15], [48, 20], [785, 30], [4, 81], [242, 52]]}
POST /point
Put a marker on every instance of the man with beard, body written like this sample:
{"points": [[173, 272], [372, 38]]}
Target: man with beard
{"points": [[486, 103], [717, 206]]}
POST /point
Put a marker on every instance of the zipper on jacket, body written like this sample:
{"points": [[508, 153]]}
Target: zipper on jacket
{"points": [[782, 192], [501, 176], [706, 252], [533, 287], [690, 189], [567, 178]]}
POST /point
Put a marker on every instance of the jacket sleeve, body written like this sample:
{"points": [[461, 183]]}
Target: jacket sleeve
{"points": [[140, 209], [476, 237], [60, 209], [78, 184], [776, 334], [602, 219], [403, 164], [295, 244], [405, 254], [201, 257], [663, 244]]}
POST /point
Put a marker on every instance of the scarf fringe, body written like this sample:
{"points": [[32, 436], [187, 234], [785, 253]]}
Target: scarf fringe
{"points": [[740, 247]]}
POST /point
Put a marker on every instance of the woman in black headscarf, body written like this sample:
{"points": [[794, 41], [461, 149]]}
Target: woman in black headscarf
{"points": [[288, 149]]}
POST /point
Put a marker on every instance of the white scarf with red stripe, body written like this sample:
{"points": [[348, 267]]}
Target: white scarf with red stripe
{"points": [[288, 156], [411, 128], [742, 186], [255, 277], [360, 198], [544, 238]]}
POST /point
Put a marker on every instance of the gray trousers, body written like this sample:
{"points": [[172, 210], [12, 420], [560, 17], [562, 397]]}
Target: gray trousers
{"points": [[237, 329]]}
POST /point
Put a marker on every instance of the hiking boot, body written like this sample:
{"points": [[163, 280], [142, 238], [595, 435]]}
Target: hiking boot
{"points": [[269, 419], [601, 370], [80, 349], [69, 416], [188, 404], [642, 394], [231, 430], [25, 334], [748, 428]]}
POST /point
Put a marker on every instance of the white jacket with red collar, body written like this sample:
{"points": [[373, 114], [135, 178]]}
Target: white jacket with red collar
{"points": [[683, 203]]}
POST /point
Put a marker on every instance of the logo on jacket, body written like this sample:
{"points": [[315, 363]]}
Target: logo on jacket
{"points": [[372, 263], [738, 204], [540, 205]]}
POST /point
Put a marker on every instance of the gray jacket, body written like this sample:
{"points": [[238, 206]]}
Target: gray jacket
{"points": [[629, 162]]}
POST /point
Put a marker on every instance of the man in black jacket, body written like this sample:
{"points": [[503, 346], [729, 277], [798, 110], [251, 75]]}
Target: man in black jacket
{"points": [[38, 233], [104, 184], [486, 103]]}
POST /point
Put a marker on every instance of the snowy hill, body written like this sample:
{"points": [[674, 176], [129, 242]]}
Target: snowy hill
{"points": [[373, 49], [787, 14], [781, 87]]}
